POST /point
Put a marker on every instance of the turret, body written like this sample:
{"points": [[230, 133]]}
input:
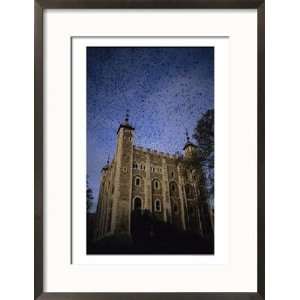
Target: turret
{"points": [[125, 124], [123, 178], [189, 147], [105, 168]]}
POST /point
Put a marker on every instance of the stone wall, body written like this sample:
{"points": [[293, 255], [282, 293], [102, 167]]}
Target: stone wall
{"points": [[158, 179]]}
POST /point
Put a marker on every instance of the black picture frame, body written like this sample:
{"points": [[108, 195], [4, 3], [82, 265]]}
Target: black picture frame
{"points": [[40, 6]]}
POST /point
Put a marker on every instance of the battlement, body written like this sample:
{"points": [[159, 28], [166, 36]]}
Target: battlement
{"points": [[159, 153]]}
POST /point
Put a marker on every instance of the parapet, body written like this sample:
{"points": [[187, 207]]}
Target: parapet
{"points": [[156, 152]]}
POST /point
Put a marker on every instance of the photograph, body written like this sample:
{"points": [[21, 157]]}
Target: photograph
{"points": [[150, 150]]}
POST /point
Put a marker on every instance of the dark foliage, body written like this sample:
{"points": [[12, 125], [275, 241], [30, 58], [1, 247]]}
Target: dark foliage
{"points": [[204, 135], [152, 236], [203, 158], [89, 197], [90, 226]]}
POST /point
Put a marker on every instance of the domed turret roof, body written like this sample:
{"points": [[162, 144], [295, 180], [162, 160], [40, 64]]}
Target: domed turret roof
{"points": [[105, 168], [125, 123], [188, 142]]}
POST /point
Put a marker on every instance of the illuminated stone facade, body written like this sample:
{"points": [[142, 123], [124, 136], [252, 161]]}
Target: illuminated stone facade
{"points": [[139, 179]]}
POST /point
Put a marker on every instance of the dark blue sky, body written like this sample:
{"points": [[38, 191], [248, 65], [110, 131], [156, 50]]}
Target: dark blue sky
{"points": [[165, 90]]}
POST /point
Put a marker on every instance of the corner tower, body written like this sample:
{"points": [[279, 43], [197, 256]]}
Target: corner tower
{"points": [[121, 209], [189, 148]]}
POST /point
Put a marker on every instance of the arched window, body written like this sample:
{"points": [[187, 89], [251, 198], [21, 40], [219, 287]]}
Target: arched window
{"points": [[189, 190], [137, 204], [172, 188], [156, 184], [175, 208], [157, 205], [191, 211], [137, 181], [135, 166], [172, 174]]}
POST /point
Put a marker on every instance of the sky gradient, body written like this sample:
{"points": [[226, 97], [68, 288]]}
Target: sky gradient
{"points": [[166, 90]]}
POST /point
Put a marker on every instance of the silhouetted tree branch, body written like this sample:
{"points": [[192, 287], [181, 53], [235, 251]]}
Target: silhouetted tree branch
{"points": [[89, 197]]}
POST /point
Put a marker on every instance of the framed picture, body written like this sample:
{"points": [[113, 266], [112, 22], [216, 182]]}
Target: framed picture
{"points": [[149, 149]]}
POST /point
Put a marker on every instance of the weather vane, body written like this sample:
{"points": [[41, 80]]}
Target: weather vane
{"points": [[127, 115], [187, 135]]}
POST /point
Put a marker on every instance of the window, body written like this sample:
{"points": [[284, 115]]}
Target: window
{"points": [[173, 187], [156, 184], [157, 206], [135, 166], [172, 174], [191, 174], [191, 211], [137, 204], [189, 190], [137, 181], [143, 167], [175, 208], [125, 170]]}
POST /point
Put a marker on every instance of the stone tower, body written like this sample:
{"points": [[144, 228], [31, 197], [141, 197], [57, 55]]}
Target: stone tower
{"points": [[141, 181], [189, 147], [121, 200]]}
